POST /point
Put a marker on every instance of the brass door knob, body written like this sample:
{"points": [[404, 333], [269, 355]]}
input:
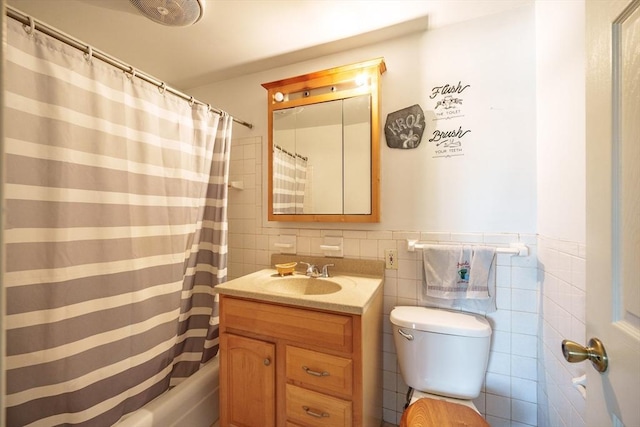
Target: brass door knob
{"points": [[595, 352]]}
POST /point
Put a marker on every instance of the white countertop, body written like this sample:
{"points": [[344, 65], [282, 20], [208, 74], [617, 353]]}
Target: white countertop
{"points": [[354, 297]]}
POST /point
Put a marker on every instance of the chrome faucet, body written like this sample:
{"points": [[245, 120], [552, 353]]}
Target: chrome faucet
{"points": [[325, 270], [312, 269]]}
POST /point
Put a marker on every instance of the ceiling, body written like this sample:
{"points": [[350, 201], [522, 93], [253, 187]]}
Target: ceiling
{"points": [[237, 37]]}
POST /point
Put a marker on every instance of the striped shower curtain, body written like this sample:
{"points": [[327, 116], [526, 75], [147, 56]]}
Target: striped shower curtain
{"points": [[289, 182], [116, 233]]}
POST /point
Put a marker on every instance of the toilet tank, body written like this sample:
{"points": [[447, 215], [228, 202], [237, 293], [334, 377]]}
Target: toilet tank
{"points": [[441, 352]]}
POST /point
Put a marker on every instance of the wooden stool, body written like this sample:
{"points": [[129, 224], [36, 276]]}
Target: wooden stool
{"points": [[440, 413]]}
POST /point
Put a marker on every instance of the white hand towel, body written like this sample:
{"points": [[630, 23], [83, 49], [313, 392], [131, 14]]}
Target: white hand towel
{"points": [[482, 272], [447, 270]]}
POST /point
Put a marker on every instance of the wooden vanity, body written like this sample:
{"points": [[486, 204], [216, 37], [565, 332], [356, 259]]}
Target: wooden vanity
{"points": [[289, 365]]}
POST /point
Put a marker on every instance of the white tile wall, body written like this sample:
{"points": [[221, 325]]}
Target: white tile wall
{"points": [[562, 315], [510, 394]]}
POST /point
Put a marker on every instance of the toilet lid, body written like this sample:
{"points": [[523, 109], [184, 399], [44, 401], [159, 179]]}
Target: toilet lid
{"points": [[440, 321], [440, 413]]}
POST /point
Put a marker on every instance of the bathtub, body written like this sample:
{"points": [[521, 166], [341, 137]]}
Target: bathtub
{"points": [[194, 403]]}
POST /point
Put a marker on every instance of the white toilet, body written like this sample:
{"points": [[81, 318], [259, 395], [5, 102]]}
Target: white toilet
{"points": [[442, 354]]}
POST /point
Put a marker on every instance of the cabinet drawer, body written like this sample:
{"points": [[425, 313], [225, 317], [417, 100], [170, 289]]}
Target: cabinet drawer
{"points": [[331, 373], [313, 409], [323, 330]]}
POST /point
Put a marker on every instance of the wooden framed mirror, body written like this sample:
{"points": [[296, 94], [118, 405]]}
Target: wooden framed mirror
{"points": [[324, 145]]}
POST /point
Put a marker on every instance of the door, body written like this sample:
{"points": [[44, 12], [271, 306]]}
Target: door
{"points": [[247, 382], [613, 208]]}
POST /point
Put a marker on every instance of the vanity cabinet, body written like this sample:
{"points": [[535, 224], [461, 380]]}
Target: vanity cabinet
{"points": [[289, 366]]}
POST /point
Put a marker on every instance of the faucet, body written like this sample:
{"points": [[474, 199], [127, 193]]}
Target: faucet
{"points": [[325, 270], [312, 269]]}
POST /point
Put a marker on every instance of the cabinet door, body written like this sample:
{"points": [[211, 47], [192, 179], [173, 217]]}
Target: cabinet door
{"points": [[248, 382]]}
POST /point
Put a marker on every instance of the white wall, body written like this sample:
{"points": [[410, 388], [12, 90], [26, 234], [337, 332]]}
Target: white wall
{"points": [[492, 187], [560, 70], [488, 196]]}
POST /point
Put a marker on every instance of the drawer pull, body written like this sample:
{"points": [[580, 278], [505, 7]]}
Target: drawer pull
{"points": [[266, 361], [313, 413], [315, 373]]}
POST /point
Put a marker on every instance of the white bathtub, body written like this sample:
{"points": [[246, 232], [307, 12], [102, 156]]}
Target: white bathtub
{"points": [[194, 403]]}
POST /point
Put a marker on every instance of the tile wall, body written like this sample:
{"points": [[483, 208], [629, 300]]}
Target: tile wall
{"points": [[509, 396], [562, 316]]}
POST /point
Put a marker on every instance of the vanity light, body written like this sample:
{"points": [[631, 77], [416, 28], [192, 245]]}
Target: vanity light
{"points": [[361, 80], [278, 96]]}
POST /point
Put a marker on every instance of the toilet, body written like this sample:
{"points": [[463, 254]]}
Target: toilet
{"points": [[443, 357]]}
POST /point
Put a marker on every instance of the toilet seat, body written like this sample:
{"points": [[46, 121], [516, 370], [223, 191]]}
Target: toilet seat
{"points": [[417, 394], [430, 412]]}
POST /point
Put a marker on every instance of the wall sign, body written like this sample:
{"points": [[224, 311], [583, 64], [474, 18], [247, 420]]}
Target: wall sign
{"points": [[448, 113], [404, 128]]}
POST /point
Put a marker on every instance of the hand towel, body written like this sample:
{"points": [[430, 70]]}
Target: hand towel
{"points": [[479, 306], [480, 276], [447, 269]]}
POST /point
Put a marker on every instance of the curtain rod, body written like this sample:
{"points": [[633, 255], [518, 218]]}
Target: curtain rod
{"points": [[277, 147], [29, 21]]}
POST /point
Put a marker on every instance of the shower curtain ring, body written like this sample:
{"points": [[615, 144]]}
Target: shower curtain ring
{"points": [[162, 88], [191, 101], [131, 74], [31, 27], [88, 55], [208, 108]]}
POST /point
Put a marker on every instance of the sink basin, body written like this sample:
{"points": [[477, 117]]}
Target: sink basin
{"points": [[343, 292], [302, 286]]}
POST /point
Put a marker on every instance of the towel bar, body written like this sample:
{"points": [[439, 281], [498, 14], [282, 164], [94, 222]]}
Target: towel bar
{"points": [[515, 249]]}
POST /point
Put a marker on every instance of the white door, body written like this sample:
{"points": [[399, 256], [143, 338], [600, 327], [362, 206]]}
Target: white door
{"points": [[613, 208]]}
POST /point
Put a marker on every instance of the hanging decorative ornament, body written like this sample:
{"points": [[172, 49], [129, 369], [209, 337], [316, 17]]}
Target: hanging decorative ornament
{"points": [[404, 128]]}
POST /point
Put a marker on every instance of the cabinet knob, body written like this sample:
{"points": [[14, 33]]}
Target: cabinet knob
{"points": [[267, 361]]}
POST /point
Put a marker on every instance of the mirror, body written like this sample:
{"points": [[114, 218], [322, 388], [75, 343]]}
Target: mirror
{"points": [[324, 162]]}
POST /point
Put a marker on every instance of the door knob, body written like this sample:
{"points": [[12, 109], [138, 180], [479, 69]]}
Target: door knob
{"points": [[595, 352]]}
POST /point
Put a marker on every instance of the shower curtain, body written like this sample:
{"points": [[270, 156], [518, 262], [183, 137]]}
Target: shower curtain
{"points": [[116, 234], [289, 182]]}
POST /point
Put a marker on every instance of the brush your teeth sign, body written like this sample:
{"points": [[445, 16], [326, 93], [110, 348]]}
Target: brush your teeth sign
{"points": [[448, 128]]}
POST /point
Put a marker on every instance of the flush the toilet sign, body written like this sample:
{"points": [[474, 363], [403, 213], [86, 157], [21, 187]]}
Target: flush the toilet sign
{"points": [[449, 100], [451, 132]]}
